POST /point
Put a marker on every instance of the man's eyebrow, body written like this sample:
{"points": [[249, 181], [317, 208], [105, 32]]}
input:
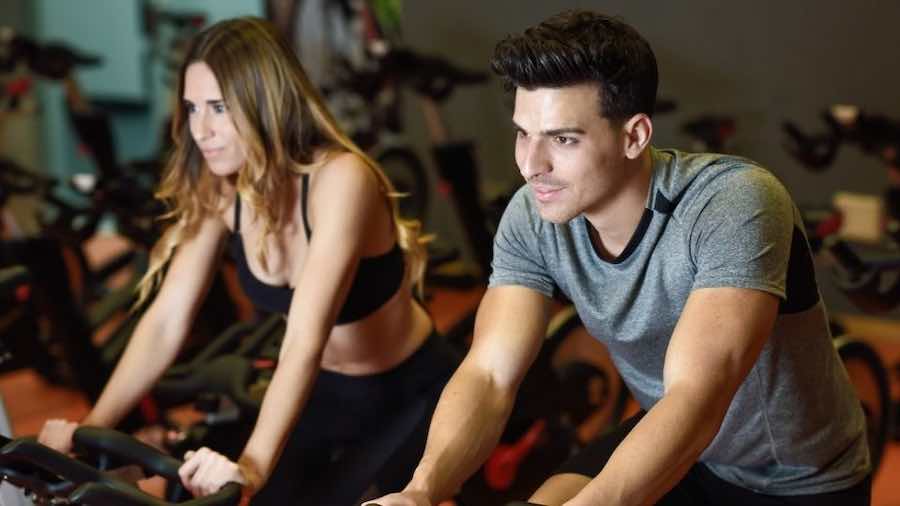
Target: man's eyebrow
{"points": [[554, 131], [562, 131]]}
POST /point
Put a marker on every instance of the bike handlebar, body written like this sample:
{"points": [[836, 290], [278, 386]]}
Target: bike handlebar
{"points": [[29, 464], [226, 366], [875, 134], [53, 61], [119, 494]]}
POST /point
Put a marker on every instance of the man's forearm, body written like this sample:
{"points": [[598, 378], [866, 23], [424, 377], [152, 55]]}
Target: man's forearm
{"points": [[465, 428], [657, 453]]}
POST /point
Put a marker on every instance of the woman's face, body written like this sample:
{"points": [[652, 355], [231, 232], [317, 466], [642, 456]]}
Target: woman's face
{"points": [[210, 121]]}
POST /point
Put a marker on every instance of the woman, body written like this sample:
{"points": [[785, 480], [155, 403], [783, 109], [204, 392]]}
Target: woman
{"points": [[259, 161]]}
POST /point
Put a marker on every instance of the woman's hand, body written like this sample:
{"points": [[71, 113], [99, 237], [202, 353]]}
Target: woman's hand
{"points": [[57, 434], [204, 472]]}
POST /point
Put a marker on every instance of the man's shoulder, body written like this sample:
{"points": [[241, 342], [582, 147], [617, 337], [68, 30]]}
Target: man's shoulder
{"points": [[690, 179], [679, 169]]}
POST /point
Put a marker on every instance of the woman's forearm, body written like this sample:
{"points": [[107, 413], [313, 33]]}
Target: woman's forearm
{"points": [[151, 349], [285, 398]]}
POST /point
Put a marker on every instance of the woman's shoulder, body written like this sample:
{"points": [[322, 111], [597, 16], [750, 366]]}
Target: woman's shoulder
{"points": [[346, 182], [344, 162], [346, 174]]}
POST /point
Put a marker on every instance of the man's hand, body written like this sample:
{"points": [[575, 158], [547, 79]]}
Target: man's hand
{"points": [[204, 472], [57, 434], [401, 499]]}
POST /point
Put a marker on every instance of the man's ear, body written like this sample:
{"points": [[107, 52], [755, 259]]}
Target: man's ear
{"points": [[638, 129]]}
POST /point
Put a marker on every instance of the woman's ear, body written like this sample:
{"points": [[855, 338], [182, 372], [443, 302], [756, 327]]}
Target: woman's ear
{"points": [[638, 130]]}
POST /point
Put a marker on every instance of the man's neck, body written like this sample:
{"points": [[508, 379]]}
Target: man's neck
{"points": [[615, 223]]}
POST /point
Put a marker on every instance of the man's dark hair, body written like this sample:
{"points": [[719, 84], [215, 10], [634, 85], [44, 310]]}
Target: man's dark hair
{"points": [[578, 47]]}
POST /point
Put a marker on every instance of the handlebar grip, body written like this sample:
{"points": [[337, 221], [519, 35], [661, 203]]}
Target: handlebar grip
{"points": [[110, 443], [44, 458], [115, 493], [39, 481]]}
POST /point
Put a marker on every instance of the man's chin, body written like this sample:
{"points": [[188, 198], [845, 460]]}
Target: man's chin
{"points": [[556, 218]]}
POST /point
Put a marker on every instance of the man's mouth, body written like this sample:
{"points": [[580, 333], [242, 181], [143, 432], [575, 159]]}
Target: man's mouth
{"points": [[545, 193]]}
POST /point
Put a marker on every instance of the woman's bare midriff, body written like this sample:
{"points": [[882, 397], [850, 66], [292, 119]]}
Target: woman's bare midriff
{"points": [[381, 341], [378, 342]]}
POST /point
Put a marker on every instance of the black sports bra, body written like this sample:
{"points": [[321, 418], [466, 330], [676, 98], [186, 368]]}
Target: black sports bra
{"points": [[377, 278]]}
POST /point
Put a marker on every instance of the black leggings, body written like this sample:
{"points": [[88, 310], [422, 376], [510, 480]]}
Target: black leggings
{"points": [[701, 487], [358, 431]]}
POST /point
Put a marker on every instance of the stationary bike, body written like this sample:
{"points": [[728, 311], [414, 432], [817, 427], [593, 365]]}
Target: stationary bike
{"points": [[96, 476]]}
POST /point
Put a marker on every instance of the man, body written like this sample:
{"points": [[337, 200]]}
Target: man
{"points": [[694, 271]]}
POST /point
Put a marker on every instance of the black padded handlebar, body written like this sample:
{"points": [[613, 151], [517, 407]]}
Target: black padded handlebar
{"points": [[26, 463], [118, 494]]}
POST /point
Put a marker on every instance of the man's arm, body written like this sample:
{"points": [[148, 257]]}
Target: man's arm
{"points": [[476, 402], [715, 344]]}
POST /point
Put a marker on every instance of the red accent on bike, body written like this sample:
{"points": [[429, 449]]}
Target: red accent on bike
{"points": [[84, 150], [264, 363], [18, 87], [370, 24], [23, 293], [149, 410], [829, 226], [501, 468], [444, 188], [727, 129]]}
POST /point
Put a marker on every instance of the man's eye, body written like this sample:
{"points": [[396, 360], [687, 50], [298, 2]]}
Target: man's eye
{"points": [[564, 140]]}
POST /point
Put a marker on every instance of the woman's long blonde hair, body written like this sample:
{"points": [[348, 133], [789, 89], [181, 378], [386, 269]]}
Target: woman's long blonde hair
{"points": [[283, 123]]}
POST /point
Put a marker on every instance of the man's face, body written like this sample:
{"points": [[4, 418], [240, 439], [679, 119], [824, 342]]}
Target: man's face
{"points": [[571, 157]]}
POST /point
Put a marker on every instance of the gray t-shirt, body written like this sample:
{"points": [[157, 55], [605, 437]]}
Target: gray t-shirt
{"points": [[794, 426]]}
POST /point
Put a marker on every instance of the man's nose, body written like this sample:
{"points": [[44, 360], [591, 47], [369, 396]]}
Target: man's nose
{"points": [[533, 161]]}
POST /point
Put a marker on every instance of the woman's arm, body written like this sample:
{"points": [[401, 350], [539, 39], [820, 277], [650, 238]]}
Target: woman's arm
{"points": [[157, 337], [164, 326]]}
